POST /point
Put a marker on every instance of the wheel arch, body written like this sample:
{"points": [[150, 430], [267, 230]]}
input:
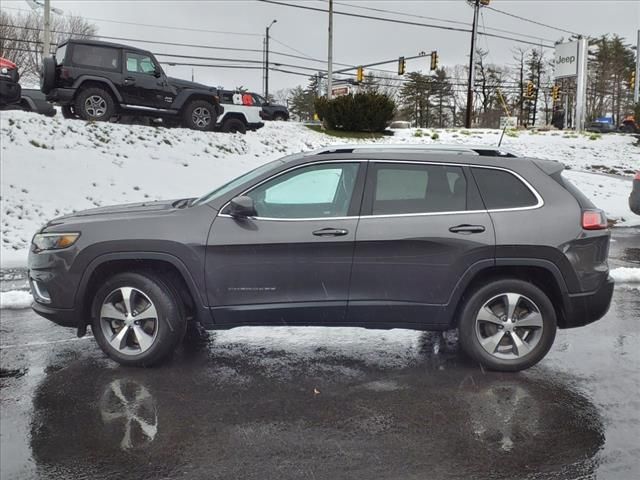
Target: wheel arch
{"points": [[541, 273], [29, 103], [236, 115], [169, 266], [87, 81], [185, 97]]}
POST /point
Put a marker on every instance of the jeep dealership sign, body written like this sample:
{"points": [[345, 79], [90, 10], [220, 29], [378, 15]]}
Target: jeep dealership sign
{"points": [[566, 60]]}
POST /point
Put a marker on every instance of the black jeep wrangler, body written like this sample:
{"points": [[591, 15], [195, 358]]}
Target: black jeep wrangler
{"points": [[97, 80]]}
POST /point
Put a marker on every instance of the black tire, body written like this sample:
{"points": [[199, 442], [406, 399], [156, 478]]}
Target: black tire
{"points": [[469, 336], [169, 326], [280, 117], [67, 112], [199, 115], [234, 125], [47, 75], [95, 103]]}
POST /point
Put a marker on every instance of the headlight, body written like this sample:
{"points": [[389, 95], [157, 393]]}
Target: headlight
{"points": [[53, 241]]}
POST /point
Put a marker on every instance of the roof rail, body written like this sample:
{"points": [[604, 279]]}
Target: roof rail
{"points": [[481, 150]]}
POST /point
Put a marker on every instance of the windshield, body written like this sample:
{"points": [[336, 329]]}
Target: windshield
{"points": [[227, 187]]}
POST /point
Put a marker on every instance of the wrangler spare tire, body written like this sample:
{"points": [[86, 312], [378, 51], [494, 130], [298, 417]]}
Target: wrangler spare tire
{"points": [[47, 75]]}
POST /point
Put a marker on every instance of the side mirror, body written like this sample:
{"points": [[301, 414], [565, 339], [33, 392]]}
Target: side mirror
{"points": [[242, 207], [157, 73]]}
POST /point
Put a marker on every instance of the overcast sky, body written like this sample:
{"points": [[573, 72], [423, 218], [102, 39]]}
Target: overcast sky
{"points": [[356, 40]]}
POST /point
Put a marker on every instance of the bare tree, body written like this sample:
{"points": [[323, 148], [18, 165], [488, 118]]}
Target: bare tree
{"points": [[21, 37]]}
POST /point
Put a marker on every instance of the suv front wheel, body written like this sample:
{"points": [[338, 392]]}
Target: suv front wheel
{"points": [[507, 325], [199, 115], [137, 318], [95, 104]]}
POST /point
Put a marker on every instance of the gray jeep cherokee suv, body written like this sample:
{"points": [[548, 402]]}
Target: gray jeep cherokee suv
{"points": [[503, 248]]}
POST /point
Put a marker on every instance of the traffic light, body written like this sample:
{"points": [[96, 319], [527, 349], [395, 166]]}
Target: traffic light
{"points": [[632, 80], [555, 93], [485, 3], [360, 75], [434, 60], [402, 66], [530, 88]]}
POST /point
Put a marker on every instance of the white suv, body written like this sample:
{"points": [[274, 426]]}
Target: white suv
{"points": [[240, 112]]}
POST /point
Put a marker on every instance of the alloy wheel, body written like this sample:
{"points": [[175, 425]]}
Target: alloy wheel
{"points": [[509, 326], [201, 117], [129, 321], [95, 106]]}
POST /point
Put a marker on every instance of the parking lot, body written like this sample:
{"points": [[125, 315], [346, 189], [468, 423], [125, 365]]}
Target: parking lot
{"points": [[324, 403]]}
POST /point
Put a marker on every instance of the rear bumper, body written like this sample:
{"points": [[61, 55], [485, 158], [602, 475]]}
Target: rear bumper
{"points": [[585, 308], [62, 96]]}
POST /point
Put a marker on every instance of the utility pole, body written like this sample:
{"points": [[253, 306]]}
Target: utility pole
{"points": [[581, 84], [46, 49], [636, 88], [472, 69], [266, 61], [330, 53]]}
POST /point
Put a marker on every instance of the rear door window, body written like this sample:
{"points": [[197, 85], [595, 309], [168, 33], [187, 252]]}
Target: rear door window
{"points": [[397, 188], [94, 56], [501, 189]]}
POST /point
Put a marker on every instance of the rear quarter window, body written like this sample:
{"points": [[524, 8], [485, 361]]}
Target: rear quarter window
{"points": [[94, 56], [500, 189]]}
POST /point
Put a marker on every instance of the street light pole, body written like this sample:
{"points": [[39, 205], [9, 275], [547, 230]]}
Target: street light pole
{"points": [[330, 53], [472, 69], [46, 49], [266, 61], [636, 87]]}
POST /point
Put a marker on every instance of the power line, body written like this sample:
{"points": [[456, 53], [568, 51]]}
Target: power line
{"points": [[532, 21], [402, 22], [444, 20], [168, 27]]}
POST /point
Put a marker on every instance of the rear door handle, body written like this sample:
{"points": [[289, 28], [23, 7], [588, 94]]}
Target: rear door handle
{"points": [[331, 232], [129, 80], [467, 229]]}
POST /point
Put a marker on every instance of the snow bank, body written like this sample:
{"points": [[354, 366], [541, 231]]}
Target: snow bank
{"points": [[54, 166], [627, 277], [15, 300]]}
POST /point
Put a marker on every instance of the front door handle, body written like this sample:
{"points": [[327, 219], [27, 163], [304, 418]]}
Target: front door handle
{"points": [[331, 232], [467, 229], [129, 80]]}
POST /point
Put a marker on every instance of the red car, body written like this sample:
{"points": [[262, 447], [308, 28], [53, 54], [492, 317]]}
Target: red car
{"points": [[10, 90]]}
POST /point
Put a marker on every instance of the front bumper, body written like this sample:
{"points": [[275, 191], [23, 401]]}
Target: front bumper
{"points": [[10, 92], [584, 308], [60, 316]]}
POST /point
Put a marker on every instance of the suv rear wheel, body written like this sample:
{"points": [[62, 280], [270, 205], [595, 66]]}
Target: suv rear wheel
{"points": [[96, 104], [507, 325], [199, 115], [137, 318]]}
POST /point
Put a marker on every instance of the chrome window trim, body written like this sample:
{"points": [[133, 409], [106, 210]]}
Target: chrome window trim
{"points": [[539, 204]]}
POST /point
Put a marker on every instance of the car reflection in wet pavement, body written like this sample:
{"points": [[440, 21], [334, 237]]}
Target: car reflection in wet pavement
{"points": [[261, 403]]}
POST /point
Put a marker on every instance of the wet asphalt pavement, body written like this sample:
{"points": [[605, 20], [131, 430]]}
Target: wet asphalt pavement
{"points": [[319, 403]]}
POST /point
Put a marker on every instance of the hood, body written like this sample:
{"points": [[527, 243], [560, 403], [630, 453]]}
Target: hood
{"points": [[181, 84], [120, 211]]}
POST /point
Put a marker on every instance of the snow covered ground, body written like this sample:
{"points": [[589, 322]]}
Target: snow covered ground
{"points": [[53, 166]]}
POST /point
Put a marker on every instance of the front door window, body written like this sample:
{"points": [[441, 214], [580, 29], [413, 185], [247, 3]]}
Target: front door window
{"points": [[318, 191]]}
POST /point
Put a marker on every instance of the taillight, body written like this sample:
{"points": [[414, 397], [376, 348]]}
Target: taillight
{"points": [[65, 73], [637, 177], [594, 220]]}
